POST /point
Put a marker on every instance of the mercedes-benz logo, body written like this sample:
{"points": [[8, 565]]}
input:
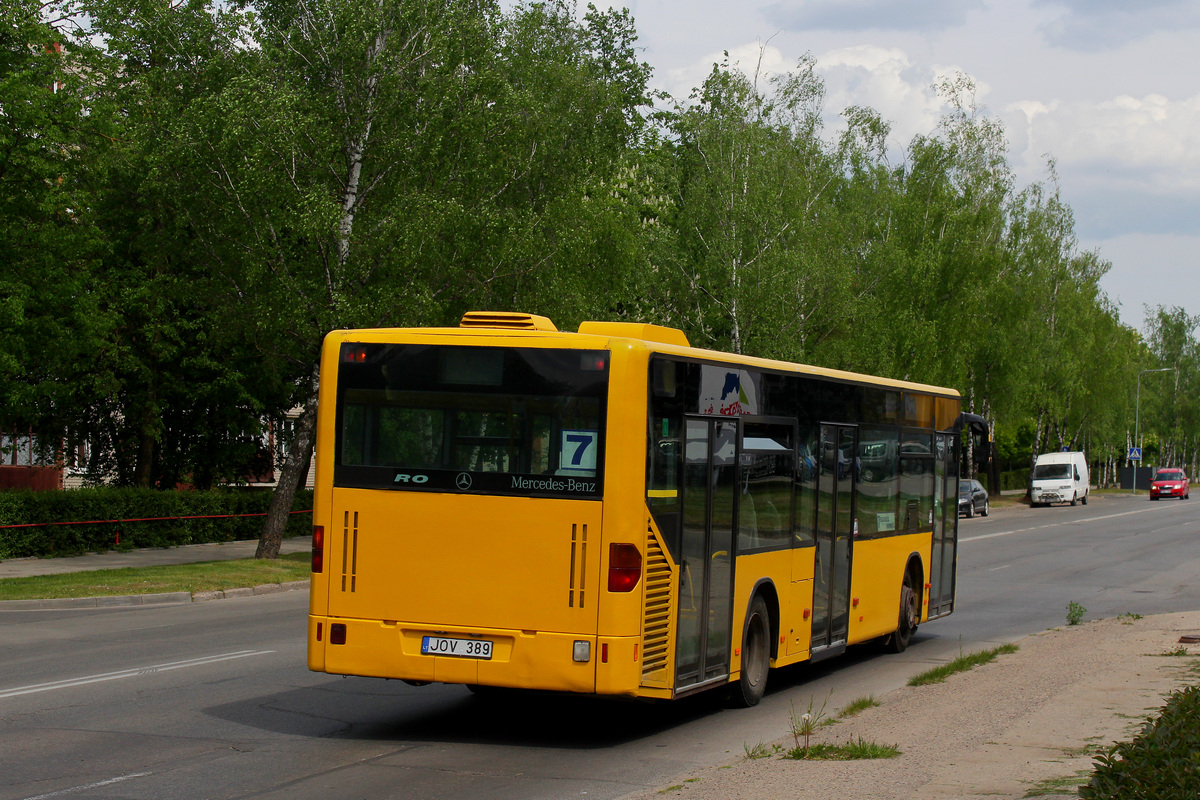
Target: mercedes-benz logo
{"points": [[463, 481]]}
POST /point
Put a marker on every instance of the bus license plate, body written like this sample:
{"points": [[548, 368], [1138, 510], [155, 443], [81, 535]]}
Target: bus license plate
{"points": [[464, 648]]}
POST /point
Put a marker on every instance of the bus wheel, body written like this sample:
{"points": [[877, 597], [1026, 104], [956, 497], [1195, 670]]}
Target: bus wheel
{"points": [[756, 656], [907, 624]]}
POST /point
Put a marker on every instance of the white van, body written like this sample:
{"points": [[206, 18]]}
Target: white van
{"points": [[1059, 478]]}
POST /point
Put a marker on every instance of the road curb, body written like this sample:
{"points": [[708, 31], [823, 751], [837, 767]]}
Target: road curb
{"points": [[162, 599]]}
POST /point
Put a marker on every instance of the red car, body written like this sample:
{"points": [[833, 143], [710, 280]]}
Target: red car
{"points": [[1169, 483]]}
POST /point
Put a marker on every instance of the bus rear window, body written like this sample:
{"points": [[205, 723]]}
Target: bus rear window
{"points": [[487, 420]]}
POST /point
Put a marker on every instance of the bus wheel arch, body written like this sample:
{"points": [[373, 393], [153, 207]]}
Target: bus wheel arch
{"points": [[760, 632]]}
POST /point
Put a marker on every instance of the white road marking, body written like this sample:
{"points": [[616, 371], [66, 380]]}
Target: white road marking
{"points": [[95, 785], [997, 569], [1043, 527], [129, 673]]}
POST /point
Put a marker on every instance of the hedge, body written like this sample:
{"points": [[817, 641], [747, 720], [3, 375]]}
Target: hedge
{"points": [[1162, 763], [95, 506]]}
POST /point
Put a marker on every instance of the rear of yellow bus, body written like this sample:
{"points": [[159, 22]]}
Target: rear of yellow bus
{"points": [[458, 512]]}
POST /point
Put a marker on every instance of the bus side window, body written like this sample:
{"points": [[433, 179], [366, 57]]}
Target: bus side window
{"points": [[765, 493], [806, 487], [665, 449]]}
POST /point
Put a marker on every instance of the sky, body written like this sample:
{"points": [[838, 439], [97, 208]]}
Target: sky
{"points": [[1107, 89]]}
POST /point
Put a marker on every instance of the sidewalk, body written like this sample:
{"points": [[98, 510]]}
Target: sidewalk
{"points": [[1026, 725], [147, 557]]}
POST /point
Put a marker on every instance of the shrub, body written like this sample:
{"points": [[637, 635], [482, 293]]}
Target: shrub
{"points": [[1162, 763], [171, 518]]}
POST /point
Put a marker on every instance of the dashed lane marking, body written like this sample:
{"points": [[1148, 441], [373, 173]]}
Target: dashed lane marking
{"points": [[129, 673], [95, 785], [1055, 525]]}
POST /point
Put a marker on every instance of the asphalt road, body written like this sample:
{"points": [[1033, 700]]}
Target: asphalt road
{"points": [[212, 700]]}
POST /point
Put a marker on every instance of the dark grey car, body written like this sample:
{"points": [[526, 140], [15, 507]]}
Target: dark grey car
{"points": [[972, 499]]}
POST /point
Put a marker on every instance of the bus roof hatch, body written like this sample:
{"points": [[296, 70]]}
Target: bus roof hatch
{"points": [[506, 320]]}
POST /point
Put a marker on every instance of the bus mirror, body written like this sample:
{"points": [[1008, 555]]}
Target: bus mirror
{"points": [[983, 452]]}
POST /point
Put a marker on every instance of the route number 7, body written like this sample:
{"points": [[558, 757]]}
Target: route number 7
{"points": [[579, 449]]}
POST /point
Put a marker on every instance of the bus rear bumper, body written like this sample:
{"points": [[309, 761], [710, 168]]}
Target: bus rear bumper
{"points": [[518, 659]]}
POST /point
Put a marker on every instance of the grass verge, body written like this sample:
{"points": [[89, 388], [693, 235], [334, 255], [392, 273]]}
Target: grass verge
{"points": [[850, 751], [204, 576], [960, 664]]}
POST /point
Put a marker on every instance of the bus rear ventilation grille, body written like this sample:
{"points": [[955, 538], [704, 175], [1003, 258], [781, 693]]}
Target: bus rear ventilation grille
{"points": [[657, 623], [506, 320]]}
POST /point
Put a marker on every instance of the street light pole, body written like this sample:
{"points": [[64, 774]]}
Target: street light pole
{"points": [[1137, 418]]}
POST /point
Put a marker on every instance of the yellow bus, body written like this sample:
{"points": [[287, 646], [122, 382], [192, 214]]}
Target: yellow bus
{"points": [[615, 512]]}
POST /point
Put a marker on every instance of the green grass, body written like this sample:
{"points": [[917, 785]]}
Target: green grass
{"points": [[204, 576], [857, 706], [1181, 650], [850, 751], [761, 750], [1067, 786], [960, 664]]}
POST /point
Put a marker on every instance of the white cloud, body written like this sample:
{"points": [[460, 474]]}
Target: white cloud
{"points": [[887, 80], [1145, 145], [750, 58]]}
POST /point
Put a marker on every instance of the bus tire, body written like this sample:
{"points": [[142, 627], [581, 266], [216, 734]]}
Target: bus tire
{"points": [[756, 656], [906, 625]]}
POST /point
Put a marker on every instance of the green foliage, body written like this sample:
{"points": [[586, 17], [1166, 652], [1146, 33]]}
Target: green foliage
{"points": [[166, 514], [1075, 612], [960, 664], [1161, 763], [219, 185]]}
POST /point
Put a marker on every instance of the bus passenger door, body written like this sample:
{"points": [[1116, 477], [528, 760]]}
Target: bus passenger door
{"points": [[706, 553], [835, 539], [945, 527]]}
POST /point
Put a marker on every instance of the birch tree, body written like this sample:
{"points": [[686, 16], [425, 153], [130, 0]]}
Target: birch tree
{"points": [[387, 162]]}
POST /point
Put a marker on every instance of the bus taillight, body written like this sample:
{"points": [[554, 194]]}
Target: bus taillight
{"points": [[624, 567], [318, 548]]}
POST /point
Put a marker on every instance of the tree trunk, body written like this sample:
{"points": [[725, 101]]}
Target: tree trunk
{"points": [[143, 469], [296, 465], [993, 461], [1037, 446]]}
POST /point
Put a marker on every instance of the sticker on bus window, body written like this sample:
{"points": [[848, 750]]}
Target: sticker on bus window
{"points": [[578, 453]]}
